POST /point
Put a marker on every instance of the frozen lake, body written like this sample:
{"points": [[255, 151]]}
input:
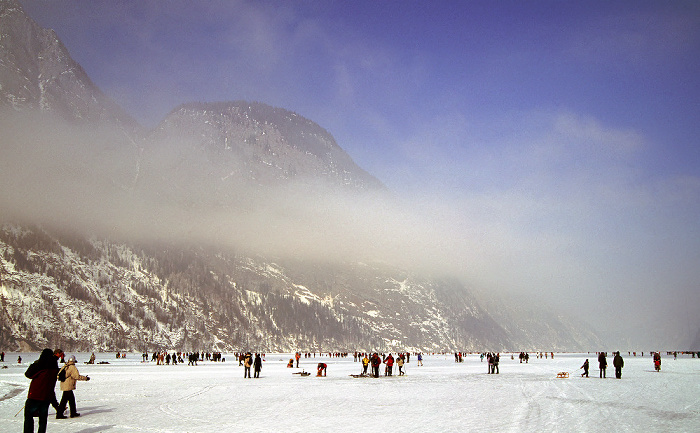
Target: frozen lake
{"points": [[441, 396]]}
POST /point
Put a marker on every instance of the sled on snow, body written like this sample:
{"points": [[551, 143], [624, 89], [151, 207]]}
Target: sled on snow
{"points": [[563, 374], [302, 373]]}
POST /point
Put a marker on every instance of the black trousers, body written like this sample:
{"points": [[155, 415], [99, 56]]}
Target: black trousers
{"points": [[39, 409], [67, 397]]}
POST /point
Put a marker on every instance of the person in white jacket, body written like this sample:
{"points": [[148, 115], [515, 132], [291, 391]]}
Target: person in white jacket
{"points": [[68, 386]]}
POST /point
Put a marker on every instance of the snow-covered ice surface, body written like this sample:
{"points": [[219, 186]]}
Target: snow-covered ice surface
{"points": [[441, 396]]}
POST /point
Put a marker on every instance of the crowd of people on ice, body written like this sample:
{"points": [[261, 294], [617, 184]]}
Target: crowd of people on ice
{"points": [[45, 372], [166, 358]]}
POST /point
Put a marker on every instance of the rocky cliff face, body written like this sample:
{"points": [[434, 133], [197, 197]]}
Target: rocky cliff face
{"points": [[37, 72]]}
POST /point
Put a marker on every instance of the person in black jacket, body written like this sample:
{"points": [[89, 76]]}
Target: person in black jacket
{"points": [[585, 369], [41, 394], [376, 362], [603, 364], [618, 363], [257, 365]]}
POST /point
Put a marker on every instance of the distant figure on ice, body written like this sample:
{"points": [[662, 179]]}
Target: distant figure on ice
{"points": [[602, 364], [389, 361], [257, 365], [68, 386], [399, 363], [376, 362], [92, 358], [365, 363], [420, 359], [247, 363], [657, 361], [290, 364], [42, 372], [585, 369], [618, 363], [321, 369]]}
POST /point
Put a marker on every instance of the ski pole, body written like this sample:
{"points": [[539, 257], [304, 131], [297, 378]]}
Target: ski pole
{"points": [[22, 408]]}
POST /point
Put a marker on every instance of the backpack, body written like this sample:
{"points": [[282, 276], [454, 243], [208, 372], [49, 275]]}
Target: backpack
{"points": [[62, 375]]}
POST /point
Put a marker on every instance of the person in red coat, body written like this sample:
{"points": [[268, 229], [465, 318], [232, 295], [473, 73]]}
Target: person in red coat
{"points": [[43, 373], [389, 361]]}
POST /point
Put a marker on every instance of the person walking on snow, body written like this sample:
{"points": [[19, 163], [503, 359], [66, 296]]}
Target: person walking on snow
{"points": [[68, 386], [585, 369], [42, 372]]}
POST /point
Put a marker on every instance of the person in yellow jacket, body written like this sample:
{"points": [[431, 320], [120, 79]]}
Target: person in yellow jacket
{"points": [[68, 386]]}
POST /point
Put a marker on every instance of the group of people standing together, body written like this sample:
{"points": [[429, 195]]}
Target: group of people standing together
{"points": [[618, 363], [376, 361], [493, 359], [164, 357], [248, 362], [44, 373]]}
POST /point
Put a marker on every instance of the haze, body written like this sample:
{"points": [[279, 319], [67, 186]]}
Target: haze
{"points": [[545, 150]]}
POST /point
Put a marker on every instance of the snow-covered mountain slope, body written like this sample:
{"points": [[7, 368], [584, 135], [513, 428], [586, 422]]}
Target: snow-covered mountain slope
{"points": [[97, 295], [255, 143], [90, 295]]}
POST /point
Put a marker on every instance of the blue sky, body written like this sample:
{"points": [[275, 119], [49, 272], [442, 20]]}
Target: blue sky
{"points": [[553, 145]]}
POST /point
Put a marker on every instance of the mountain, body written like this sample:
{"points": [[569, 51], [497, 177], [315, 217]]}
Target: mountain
{"points": [[37, 72], [197, 234], [528, 321], [262, 144]]}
